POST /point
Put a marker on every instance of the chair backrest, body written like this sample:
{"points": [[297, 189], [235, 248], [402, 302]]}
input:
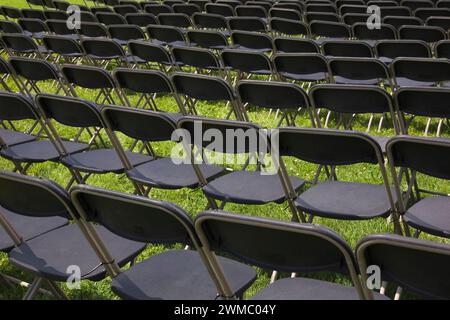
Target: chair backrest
{"points": [[359, 69], [34, 197], [19, 43], [126, 32], [186, 8], [60, 27], [416, 4], [386, 31], [124, 9], [348, 98], [34, 69], [157, 9], [222, 9], [202, 87], [93, 30], [143, 81], [418, 266], [149, 52], [422, 69], [251, 11], [289, 14], [272, 94], [442, 49], [87, 76], [300, 63], [143, 125], [166, 34], [141, 19], [34, 14], [402, 48], [425, 33], [400, 21], [109, 18], [352, 18], [337, 147], [247, 24], [247, 61], [322, 17], [207, 39], [255, 140], [252, 40], [209, 21], [35, 26], [134, 217], [62, 45], [179, 20], [69, 111], [442, 22], [427, 102], [290, 45], [196, 57], [425, 13], [268, 243], [15, 106], [425, 155], [343, 48], [330, 29], [289, 27]]}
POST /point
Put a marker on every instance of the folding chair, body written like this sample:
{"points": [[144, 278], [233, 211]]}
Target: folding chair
{"points": [[147, 84], [63, 48], [85, 116], [59, 27], [294, 45], [162, 172], [122, 34], [442, 49], [443, 4], [179, 20], [383, 3], [149, 53], [212, 21], [425, 13], [30, 72], [345, 102], [110, 18], [56, 15], [396, 10], [251, 11], [424, 72], [288, 14], [166, 35], [427, 156], [33, 27], [92, 30], [174, 274], [207, 39], [364, 71], [388, 50], [25, 149], [93, 78], [200, 3], [249, 145], [12, 27], [422, 102], [329, 30], [204, 61], [103, 51], [141, 19], [385, 32], [247, 24], [253, 41], [11, 12], [95, 10], [290, 98], [267, 244], [288, 27], [48, 256], [334, 199], [396, 255], [157, 9], [346, 48], [224, 10], [20, 44], [303, 67], [398, 22], [171, 3], [441, 22], [186, 8], [424, 33], [291, 5]]}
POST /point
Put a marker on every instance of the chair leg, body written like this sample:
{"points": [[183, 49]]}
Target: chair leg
{"points": [[33, 289], [274, 276], [56, 290]]}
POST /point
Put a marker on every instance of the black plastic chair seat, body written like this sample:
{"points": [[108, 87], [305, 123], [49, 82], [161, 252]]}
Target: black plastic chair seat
{"points": [[102, 161], [28, 227], [309, 289], [164, 173], [11, 137], [261, 50], [345, 200], [431, 215], [133, 59], [318, 76], [249, 187], [171, 43], [405, 82], [179, 275], [39, 151], [36, 35], [49, 255]]}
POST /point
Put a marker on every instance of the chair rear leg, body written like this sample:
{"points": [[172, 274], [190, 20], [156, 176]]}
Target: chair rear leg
{"points": [[56, 290], [33, 289]]}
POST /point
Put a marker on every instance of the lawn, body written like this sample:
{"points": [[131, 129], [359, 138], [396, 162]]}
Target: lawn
{"points": [[194, 202]]}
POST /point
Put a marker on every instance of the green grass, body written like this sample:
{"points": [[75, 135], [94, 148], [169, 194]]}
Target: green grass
{"points": [[193, 201]]}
